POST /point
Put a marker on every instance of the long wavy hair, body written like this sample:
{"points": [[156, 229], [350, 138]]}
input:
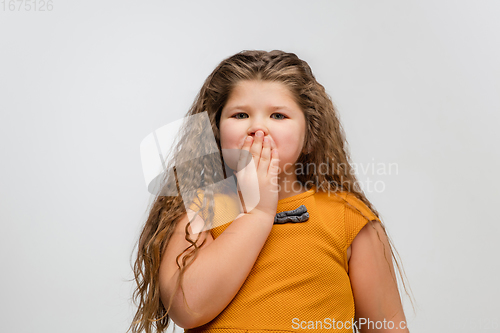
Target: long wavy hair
{"points": [[325, 140]]}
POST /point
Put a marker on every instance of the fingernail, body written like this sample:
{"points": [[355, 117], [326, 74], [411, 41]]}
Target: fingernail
{"points": [[259, 133], [249, 138]]}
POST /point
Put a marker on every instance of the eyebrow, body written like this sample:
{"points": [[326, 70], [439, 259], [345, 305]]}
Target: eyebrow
{"points": [[245, 107]]}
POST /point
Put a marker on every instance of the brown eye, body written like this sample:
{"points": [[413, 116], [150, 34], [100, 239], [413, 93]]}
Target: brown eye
{"points": [[240, 115], [280, 116]]}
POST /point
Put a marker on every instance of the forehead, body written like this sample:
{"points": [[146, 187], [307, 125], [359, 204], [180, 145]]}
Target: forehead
{"points": [[261, 93]]}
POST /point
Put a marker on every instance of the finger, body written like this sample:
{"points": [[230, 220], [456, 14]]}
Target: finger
{"points": [[256, 148], [275, 162], [245, 156], [265, 156], [273, 144]]}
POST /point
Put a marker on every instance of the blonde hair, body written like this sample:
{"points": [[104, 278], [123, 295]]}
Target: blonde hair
{"points": [[324, 141]]}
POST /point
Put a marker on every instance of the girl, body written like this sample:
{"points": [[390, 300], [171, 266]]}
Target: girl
{"points": [[295, 245]]}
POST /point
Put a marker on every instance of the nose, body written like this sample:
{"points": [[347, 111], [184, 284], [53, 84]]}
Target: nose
{"points": [[256, 126]]}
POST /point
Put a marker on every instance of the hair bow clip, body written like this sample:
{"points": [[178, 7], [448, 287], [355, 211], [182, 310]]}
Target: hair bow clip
{"points": [[297, 215]]}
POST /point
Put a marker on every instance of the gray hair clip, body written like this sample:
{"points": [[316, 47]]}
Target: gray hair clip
{"points": [[297, 215]]}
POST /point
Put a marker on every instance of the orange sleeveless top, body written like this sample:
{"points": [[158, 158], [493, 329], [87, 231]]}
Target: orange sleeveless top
{"points": [[300, 279]]}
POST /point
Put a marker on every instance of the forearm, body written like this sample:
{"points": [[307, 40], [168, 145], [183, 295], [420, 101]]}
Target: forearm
{"points": [[214, 278]]}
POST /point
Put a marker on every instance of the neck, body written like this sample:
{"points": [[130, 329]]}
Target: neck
{"points": [[289, 186]]}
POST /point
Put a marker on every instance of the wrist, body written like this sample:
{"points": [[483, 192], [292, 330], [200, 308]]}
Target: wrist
{"points": [[263, 214]]}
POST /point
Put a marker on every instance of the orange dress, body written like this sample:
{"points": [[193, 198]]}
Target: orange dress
{"points": [[300, 279]]}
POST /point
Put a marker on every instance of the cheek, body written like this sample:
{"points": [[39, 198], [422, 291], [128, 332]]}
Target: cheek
{"points": [[291, 143], [227, 136], [232, 135], [230, 140]]}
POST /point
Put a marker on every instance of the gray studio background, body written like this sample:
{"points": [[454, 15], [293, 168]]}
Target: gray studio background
{"points": [[416, 84]]}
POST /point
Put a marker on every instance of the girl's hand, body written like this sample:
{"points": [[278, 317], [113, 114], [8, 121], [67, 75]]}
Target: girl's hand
{"points": [[258, 181]]}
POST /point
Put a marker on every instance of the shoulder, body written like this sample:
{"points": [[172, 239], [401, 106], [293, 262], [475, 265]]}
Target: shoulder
{"points": [[356, 212], [196, 227], [343, 197], [215, 211], [178, 243], [353, 207], [353, 210], [357, 215], [357, 206]]}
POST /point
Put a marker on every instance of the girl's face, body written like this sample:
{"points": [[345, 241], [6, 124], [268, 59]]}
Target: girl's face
{"points": [[269, 107]]}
